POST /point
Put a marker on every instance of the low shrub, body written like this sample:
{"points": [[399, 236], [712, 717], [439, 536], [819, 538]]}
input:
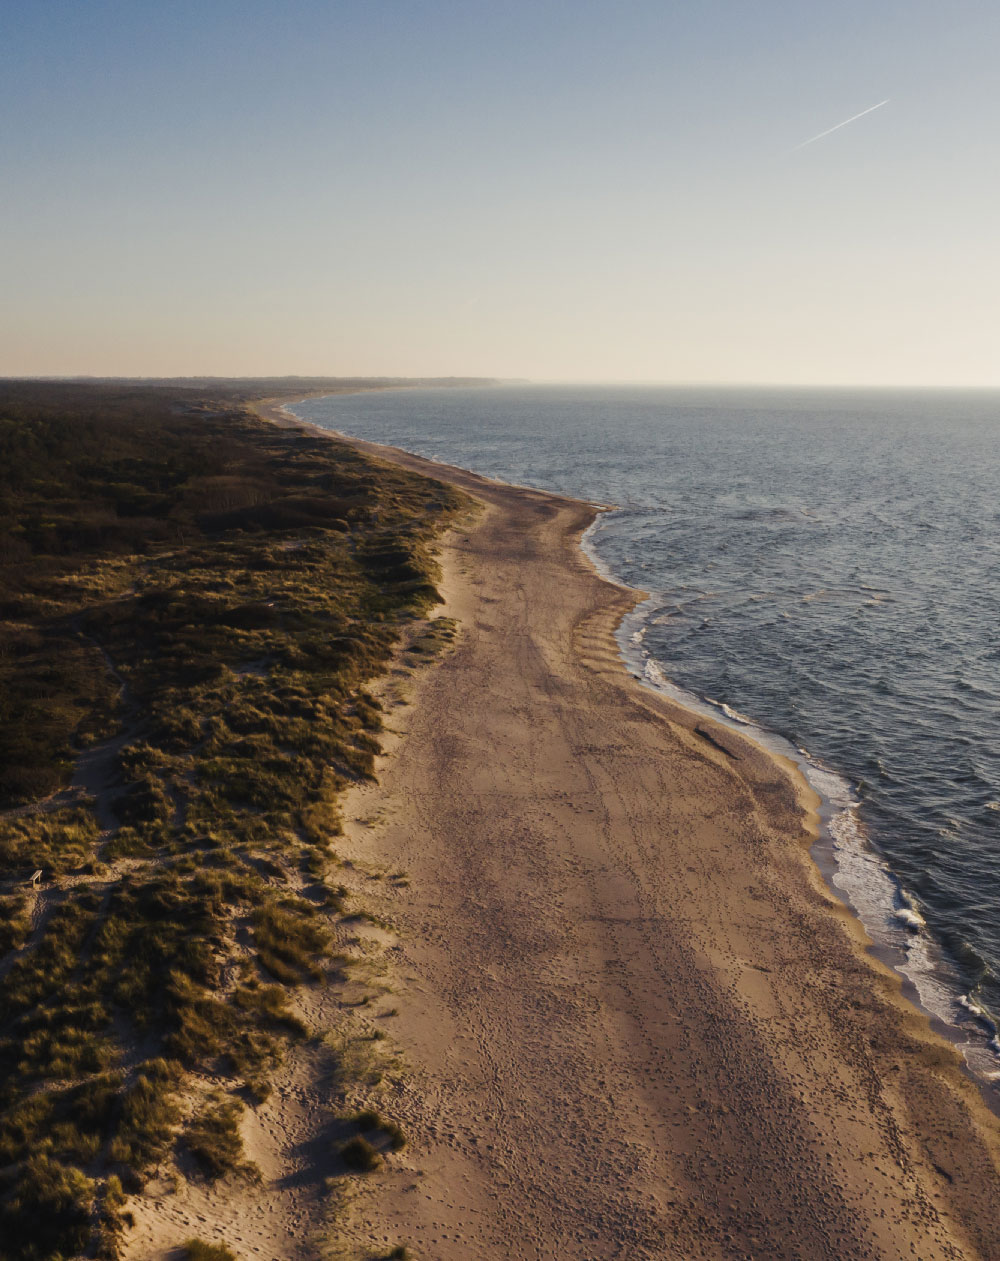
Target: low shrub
{"points": [[369, 1121], [197, 1250], [359, 1155]]}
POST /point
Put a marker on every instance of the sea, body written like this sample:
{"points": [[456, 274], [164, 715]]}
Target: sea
{"points": [[823, 572]]}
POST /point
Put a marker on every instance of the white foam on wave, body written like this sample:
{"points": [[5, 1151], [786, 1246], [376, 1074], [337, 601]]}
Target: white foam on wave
{"points": [[892, 919], [653, 673], [591, 553], [974, 1009]]}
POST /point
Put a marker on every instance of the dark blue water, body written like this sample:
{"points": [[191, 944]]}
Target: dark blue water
{"points": [[826, 562]]}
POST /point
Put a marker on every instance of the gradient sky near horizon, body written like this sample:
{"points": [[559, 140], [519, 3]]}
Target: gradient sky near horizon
{"points": [[551, 190]]}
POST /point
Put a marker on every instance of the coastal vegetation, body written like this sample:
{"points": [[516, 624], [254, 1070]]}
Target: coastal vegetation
{"points": [[195, 1250], [372, 1136], [193, 603]]}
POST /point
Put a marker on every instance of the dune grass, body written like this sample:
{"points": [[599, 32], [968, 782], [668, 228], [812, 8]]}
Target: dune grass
{"points": [[192, 603], [197, 1250], [213, 1138], [359, 1155], [370, 1121]]}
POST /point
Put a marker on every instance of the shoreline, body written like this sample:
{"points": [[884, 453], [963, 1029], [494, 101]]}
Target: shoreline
{"points": [[847, 865], [881, 987], [850, 865]]}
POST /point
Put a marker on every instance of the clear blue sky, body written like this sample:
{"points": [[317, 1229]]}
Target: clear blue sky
{"points": [[579, 190]]}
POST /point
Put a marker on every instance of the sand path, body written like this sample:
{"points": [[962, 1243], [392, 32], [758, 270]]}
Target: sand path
{"points": [[638, 1024]]}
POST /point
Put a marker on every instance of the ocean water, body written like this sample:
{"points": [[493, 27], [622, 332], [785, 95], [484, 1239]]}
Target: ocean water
{"points": [[823, 566]]}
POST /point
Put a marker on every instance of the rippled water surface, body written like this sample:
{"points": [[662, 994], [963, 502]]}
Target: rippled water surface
{"points": [[827, 563]]}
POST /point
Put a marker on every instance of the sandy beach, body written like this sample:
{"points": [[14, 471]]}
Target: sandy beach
{"points": [[634, 1021], [640, 1026]]}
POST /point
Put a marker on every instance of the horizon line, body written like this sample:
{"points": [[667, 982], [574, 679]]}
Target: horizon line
{"points": [[692, 383]]}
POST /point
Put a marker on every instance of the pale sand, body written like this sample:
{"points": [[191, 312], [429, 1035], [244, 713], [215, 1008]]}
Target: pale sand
{"points": [[639, 1023], [636, 1023]]}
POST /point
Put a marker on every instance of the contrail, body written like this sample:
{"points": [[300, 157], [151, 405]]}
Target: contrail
{"points": [[853, 119]]}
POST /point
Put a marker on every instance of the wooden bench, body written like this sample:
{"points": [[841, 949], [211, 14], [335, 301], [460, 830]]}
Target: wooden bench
{"points": [[34, 881]]}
